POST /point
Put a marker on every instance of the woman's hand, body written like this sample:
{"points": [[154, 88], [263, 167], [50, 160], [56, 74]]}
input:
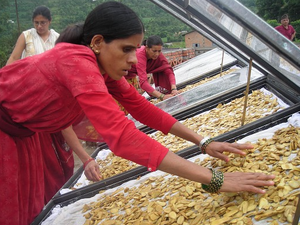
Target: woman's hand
{"points": [[174, 92], [250, 182], [92, 171], [238, 181], [168, 96], [233, 182], [216, 149]]}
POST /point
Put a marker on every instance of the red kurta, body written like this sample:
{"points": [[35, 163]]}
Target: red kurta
{"points": [[287, 32], [47, 93], [160, 68]]}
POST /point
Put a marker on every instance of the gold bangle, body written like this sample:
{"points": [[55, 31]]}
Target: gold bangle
{"points": [[161, 97]]}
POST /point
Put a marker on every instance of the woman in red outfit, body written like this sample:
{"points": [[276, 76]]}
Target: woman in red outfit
{"points": [[57, 147], [151, 60], [285, 28], [83, 74]]}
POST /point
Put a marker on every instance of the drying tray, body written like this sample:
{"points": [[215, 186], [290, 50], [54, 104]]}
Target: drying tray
{"points": [[279, 90], [91, 190]]}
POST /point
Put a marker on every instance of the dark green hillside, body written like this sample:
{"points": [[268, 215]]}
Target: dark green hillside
{"points": [[156, 20], [66, 12]]}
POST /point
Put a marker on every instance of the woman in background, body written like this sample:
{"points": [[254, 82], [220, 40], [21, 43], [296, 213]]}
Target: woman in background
{"points": [[58, 155], [35, 40], [151, 60], [285, 28]]}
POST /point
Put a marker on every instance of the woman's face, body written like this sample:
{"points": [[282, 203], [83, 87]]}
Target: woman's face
{"points": [[153, 52], [41, 24], [117, 57], [285, 22]]}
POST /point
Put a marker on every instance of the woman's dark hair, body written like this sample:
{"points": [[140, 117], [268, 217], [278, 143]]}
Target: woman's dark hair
{"points": [[153, 40], [284, 16], [113, 20], [43, 11], [73, 33]]}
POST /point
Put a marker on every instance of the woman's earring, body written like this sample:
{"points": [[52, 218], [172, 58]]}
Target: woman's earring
{"points": [[95, 51]]}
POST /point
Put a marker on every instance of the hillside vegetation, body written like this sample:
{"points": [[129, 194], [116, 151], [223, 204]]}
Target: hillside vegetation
{"points": [[15, 17], [156, 20]]}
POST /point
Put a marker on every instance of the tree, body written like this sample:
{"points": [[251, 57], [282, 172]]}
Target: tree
{"points": [[250, 4], [269, 9], [8, 31], [293, 9]]}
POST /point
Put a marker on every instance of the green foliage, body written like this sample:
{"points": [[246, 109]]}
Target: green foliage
{"points": [[296, 25], [164, 40], [146, 20], [178, 44], [250, 4], [293, 9], [7, 43], [8, 31], [269, 9], [273, 23], [156, 20], [274, 9]]}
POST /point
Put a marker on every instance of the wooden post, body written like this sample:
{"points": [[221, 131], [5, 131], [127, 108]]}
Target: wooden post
{"points": [[247, 92], [222, 63], [17, 14], [297, 213]]}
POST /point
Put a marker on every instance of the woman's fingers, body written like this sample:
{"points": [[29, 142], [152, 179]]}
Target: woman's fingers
{"points": [[168, 96], [250, 182], [220, 156], [97, 173], [174, 92], [92, 172], [92, 175], [216, 149], [237, 148], [241, 146]]}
